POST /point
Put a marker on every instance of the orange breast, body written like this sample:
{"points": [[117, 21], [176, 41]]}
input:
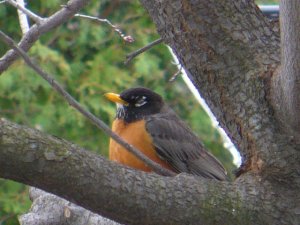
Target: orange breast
{"points": [[136, 135]]}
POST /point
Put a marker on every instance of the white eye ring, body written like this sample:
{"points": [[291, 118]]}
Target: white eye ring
{"points": [[139, 104], [142, 101]]}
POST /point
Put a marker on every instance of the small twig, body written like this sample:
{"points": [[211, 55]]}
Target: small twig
{"points": [[100, 124], [179, 71], [132, 55], [28, 39], [126, 38], [30, 14], [23, 18]]}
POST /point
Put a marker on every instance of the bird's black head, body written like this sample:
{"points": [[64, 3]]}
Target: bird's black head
{"points": [[136, 103]]}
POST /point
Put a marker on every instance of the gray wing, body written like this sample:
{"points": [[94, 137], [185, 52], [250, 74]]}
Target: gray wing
{"points": [[178, 145]]}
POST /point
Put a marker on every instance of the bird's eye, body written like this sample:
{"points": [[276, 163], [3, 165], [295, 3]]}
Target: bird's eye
{"points": [[140, 102]]}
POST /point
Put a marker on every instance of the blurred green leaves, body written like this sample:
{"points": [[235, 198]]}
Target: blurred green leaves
{"points": [[13, 201]]}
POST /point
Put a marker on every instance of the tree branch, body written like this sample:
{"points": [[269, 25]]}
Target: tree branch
{"points": [[126, 38], [50, 209], [100, 124], [125, 195], [25, 11], [132, 55], [72, 7], [286, 84]]}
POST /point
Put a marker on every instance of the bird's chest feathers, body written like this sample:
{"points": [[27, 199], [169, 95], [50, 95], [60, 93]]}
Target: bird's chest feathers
{"points": [[135, 134], [132, 132]]}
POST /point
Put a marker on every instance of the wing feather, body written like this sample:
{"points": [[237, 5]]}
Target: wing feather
{"points": [[177, 144]]}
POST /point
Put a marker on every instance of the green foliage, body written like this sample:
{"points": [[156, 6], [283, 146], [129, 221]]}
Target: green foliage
{"points": [[13, 201], [87, 59]]}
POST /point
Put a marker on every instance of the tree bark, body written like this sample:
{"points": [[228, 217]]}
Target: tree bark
{"points": [[134, 197], [50, 209], [286, 83], [230, 52]]}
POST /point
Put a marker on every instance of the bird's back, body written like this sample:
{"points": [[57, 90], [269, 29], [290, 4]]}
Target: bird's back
{"points": [[180, 147]]}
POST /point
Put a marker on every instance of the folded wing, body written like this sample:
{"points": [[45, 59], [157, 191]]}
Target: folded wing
{"points": [[178, 145]]}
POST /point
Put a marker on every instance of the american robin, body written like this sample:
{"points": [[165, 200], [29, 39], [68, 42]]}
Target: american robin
{"points": [[146, 122]]}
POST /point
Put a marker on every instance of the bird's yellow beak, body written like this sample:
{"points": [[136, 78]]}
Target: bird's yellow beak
{"points": [[115, 98]]}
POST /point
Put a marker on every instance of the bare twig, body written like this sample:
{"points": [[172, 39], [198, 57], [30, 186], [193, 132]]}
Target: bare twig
{"points": [[30, 14], [100, 124], [23, 18], [132, 55], [126, 38], [179, 71], [72, 7]]}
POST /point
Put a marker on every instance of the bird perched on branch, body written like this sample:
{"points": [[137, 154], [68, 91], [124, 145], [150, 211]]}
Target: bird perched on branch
{"points": [[147, 123]]}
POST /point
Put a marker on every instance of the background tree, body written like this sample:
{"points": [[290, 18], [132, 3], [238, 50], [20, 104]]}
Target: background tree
{"points": [[248, 116]]}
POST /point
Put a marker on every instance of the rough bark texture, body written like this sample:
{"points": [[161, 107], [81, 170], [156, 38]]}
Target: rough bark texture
{"points": [[230, 52], [133, 197], [286, 84], [50, 209], [230, 58]]}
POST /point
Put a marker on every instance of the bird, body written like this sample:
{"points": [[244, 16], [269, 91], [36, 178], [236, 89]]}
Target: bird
{"points": [[145, 121]]}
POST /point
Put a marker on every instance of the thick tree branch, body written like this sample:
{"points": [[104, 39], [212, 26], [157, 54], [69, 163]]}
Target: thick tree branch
{"points": [[286, 85], [50, 209], [99, 123], [126, 195], [229, 51], [72, 7]]}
